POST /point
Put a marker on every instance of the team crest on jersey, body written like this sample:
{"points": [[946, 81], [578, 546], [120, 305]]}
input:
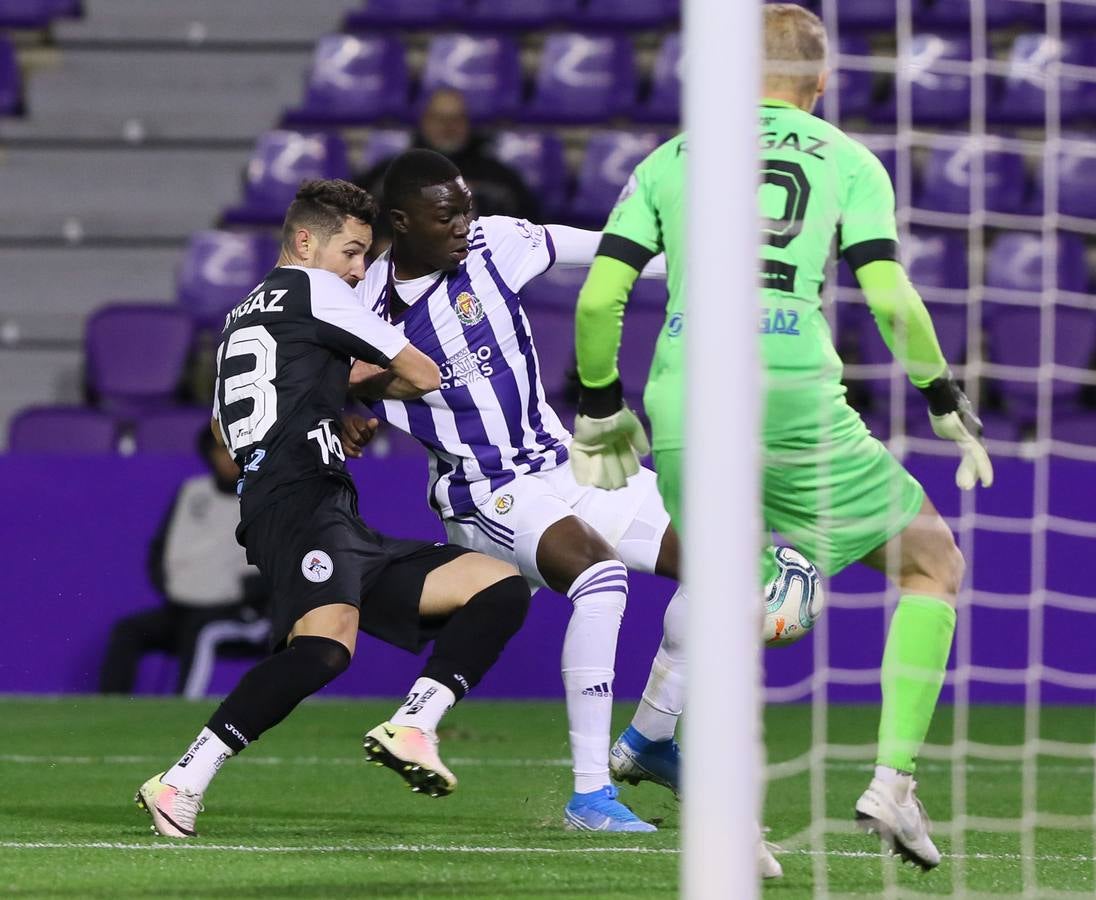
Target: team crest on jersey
{"points": [[468, 308], [504, 504], [317, 566]]}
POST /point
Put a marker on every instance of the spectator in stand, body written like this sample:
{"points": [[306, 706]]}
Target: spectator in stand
{"points": [[446, 129], [202, 574]]}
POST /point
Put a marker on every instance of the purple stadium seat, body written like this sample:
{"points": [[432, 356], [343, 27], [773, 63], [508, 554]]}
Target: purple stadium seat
{"points": [[866, 14], [583, 78], [1023, 95], [945, 181], [485, 69], [218, 270], [538, 157], [170, 430], [1076, 429], [609, 160], [382, 144], [557, 288], [11, 81], [1015, 262], [490, 14], [353, 79], [62, 430], [937, 96], [280, 162], [1078, 15], [936, 259], [34, 13], [1014, 337], [136, 354], [554, 338], [1076, 180], [955, 14], [664, 102], [387, 14], [855, 87], [624, 14]]}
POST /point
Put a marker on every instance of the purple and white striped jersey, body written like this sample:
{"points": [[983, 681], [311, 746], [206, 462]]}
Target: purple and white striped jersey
{"points": [[490, 421]]}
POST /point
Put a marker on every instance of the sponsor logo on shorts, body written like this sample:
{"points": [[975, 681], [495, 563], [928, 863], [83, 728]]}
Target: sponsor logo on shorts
{"points": [[317, 566], [468, 308], [504, 504]]}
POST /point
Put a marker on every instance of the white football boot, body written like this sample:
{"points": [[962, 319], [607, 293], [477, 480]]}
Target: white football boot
{"points": [[413, 755], [173, 811], [767, 864], [892, 810]]}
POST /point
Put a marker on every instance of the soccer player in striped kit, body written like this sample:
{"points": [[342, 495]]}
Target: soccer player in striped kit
{"points": [[500, 476]]}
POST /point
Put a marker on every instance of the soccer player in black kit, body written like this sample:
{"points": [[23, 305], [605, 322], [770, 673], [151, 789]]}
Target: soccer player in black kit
{"points": [[283, 368]]}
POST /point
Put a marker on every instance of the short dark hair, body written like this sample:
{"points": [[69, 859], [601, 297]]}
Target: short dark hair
{"points": [[322, 206], [412, 171]]}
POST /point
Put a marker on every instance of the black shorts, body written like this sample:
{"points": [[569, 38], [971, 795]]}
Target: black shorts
{"points": [[313, 549]]}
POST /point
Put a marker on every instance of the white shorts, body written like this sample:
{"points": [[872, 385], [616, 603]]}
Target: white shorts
{"points": [[509, 525]]}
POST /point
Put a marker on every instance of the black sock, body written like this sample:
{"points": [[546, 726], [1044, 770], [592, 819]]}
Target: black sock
{"points": [[473, 637], [270, 691]]}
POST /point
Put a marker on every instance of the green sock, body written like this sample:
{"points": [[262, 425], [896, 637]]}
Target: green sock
{"points": [[914, 663]]}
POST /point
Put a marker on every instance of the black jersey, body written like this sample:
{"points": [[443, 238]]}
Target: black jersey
{"points": [[282, 372]]}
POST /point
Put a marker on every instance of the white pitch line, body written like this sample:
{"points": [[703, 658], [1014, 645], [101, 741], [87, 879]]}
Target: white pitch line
{"points": [[508, 763], [334, 848], [187, 846]]}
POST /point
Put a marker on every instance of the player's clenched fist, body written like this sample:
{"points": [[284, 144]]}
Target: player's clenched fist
{"points": [[357, 431]]}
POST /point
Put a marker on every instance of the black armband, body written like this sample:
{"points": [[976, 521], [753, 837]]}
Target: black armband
{"points": [[600, 403], [870, 251], [626, 251]]}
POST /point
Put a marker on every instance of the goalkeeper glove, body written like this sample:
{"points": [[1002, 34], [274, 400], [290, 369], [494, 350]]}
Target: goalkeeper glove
{"points": [[609, 439], [953, 419]]}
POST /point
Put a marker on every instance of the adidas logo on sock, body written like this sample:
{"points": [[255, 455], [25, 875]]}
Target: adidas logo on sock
{"points": [[598, 690]]}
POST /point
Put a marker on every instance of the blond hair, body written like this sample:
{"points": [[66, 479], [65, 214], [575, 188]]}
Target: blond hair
{"points": [[795, 49]]}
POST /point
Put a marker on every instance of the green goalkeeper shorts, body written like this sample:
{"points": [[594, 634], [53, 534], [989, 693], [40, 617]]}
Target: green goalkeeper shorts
{"points": [[830, 488]]}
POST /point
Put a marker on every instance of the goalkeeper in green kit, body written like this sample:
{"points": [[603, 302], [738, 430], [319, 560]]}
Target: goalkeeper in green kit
{"points": [[827, 485]]}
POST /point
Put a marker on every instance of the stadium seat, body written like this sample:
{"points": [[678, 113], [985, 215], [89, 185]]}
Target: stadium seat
{"points": [[945, 181], [538, 157], [554, 338], [1014, 339], [1015, 262], [1022, 98], [35, 13], [383, 144], [955, 14], [936, 259], [664, 102], [609, 160], [855, 87], [937, 96], [626, 14], [583, 78], [135, 355], [518, 14], [280, 161], [377, 15], [218, 270], [486, 70], [170, 430], [1076, 429], [353, 80], [11, 82], [62, 430], [866, 14], [1076, 180]]}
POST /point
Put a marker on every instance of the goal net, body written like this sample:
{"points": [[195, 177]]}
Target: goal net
{"points": [[984, 112]]}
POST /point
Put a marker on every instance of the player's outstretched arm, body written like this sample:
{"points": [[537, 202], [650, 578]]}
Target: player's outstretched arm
{"points": [[906, 326], [411, 374], [578, 247]]}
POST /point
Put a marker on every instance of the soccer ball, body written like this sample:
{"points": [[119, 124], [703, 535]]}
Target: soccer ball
{"points": [[793, 599]]}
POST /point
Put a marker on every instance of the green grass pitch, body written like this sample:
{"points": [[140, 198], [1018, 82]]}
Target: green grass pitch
{"points": [[301, 815]]}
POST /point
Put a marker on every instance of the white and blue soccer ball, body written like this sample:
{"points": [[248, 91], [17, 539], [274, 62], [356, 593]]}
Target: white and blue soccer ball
{"points": [[793, 599]]}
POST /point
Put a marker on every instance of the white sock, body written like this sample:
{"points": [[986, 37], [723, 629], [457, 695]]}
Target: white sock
{"points": [[199, 764], [589, 654], [427, 702], [664, 696], [899, 782]]}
